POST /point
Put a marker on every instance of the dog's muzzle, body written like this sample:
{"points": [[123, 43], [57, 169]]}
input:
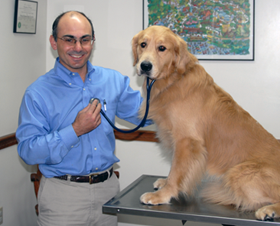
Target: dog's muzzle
{"points": [[146, 67]]}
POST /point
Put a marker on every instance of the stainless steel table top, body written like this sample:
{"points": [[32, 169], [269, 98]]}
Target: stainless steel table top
{"points": [[186, 209]]}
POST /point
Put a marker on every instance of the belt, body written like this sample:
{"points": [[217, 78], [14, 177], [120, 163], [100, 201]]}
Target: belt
{"points": [[91, 179]]}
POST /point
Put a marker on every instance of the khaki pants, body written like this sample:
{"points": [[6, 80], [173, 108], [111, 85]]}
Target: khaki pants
{"points": [[70, 203]]}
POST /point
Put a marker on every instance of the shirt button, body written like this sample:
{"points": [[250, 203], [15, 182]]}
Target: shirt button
{"points": [[95, 149], [72, 146], [70, 84], [84, 89], [73, 74], [96, 168], [89, 79]]}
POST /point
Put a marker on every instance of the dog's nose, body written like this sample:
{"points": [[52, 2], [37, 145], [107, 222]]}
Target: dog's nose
{"points": [[146, 66]]}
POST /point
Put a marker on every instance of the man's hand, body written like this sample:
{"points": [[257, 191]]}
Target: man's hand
{"points": [[87, 119]]}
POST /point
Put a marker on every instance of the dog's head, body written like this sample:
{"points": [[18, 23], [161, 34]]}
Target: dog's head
{"points": [[158, 52]]}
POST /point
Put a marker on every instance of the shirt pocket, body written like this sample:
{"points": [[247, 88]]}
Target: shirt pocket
{"points": [[110, 112]]}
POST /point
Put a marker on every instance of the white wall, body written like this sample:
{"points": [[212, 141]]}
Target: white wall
{"points": [[24, 57], [22, 60]]}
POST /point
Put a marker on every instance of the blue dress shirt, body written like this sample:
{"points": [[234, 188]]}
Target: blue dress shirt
{"points": [[49, 107]]}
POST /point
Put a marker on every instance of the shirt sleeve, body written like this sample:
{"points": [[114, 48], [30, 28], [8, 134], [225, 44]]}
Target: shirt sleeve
{"points": [[37, 142]]}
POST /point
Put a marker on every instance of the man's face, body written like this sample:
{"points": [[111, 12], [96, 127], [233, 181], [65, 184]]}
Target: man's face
{"points": [[73, 57]]}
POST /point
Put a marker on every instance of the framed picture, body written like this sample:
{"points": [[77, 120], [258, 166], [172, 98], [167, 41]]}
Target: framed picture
{"points": [[213, 29], [25, 18]]}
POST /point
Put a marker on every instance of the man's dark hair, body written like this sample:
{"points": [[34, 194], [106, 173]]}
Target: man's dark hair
{"points": [[55, 24]]}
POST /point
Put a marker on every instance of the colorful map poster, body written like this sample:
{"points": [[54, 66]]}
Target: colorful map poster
{"points": [[213, 29]]}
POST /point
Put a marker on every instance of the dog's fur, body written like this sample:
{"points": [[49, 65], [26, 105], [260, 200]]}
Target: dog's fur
{"points": [[206, 130]]}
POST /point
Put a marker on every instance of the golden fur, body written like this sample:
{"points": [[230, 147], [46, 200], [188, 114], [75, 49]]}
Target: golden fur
{"points": [[207, 131]]}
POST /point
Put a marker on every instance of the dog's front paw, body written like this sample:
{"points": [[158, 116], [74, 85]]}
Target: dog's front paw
{"points": [[154, 198], [159, 183], [267, 213]]}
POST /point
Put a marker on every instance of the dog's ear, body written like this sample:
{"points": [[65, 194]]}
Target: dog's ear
{"points": [[183, 57], [134, 48]]}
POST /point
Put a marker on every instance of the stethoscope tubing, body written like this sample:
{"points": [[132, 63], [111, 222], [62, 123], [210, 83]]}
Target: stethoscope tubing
{"points": [[142, 123]]}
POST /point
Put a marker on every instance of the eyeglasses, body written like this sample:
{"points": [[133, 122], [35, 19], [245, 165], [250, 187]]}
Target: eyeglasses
{"points": [[71, 41]]}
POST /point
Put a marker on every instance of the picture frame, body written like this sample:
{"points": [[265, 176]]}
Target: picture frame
{"points": [[25, 16], [213, 29]]}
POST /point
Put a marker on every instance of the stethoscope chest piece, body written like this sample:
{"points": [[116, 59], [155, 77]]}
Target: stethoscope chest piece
{"points": [[92, 99]]}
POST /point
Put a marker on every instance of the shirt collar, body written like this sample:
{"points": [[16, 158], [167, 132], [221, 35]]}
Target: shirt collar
{"points": [[66, 74]]}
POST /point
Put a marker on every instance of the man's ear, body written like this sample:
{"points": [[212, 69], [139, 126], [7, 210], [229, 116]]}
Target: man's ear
{"points": [[53, 43]]}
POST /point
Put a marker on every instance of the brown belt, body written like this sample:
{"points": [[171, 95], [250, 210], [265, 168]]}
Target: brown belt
{"points": [[92, 178]]}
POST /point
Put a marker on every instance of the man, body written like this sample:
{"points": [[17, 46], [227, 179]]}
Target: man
{"points": [[65, 135]]}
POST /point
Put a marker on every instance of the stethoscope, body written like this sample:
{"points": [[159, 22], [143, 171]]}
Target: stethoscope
{"points": [[142, 123]]}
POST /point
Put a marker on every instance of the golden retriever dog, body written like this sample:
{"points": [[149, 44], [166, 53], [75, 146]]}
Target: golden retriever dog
{"points": [[206, 130]]}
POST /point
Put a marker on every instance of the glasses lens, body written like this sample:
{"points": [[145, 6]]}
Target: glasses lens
{"points": [[69, 41], [86, 41]]}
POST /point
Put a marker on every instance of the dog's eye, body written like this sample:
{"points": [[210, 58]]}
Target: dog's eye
{"points": [[161, 48], [143, 44]]}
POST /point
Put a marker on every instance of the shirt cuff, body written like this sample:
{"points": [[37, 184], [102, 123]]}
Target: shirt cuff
{"points": [[69, 137], [149, 122]]}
